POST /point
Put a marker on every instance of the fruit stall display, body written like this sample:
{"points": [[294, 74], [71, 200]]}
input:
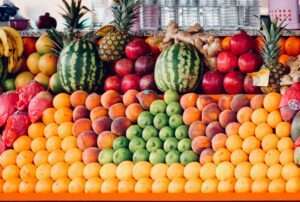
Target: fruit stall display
{"points": [[179, 115]]}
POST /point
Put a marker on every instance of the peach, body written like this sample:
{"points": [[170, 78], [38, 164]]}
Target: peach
{"points": [[257, 101], [210, 113], [130, 97], [197, 129], [206, 156], [120, 125], [101, 124], [116, 110], [232, 128], [81, 125], [227, 116], [80, 112], [92, 101], [238, 102], [86, 139], [146, 97], [78, 98], [218, 141], [90, 155], [203, 100], [224, 102], [199, 143], [213, 128], [105, 140], [98, 112], [109, 98]]}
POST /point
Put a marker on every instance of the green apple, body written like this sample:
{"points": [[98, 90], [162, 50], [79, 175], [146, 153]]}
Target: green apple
{"points": [[153, 144], [140, 155], [171, 96], [181, 132], [148, 132], [170, 144], [157, 156], [173, 108], [188, 156], [120, 142], [120, 155], [158, 106], [133, 131], [172, 157], [145, 119], [160, 120], [184, 144], [175, 121], [136, 143], [165, 133], [105, 156]]}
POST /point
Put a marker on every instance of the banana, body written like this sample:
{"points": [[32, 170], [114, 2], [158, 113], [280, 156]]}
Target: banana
{"points": [[7, 45], [16, 37], [1, 49], [13, 62]]}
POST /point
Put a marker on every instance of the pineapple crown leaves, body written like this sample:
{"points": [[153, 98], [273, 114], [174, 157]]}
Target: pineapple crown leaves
{"points": [[124, 12]]}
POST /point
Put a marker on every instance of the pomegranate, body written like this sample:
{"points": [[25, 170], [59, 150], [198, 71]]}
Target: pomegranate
{"points": [[226, 61], [144, 65], [249, 87], [233, 82], [212, 82], [136, 48], [249, 62], [147, 82], [241, 43], [130, 81], [112, 83], [123, 67]]}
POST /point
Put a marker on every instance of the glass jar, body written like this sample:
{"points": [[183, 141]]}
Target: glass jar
{"points": [[188, 13], [150, 15], [168, 12]]}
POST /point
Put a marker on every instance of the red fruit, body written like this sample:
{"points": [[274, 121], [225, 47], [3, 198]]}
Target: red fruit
{"points": [[29, 45], [130, 81], [249, 62], [144, 65], [2, 145], [8, 105], [147, 82], [297, 142], [136, 48], [112, 83], [226, 61], [233, 82], [249, 87], [154, 43], [241, 43], [38, 104], [212, 82], [123, 67], [291, 97]]}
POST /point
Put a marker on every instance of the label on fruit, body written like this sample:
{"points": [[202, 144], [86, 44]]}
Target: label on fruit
{"points": [[294, 104], [261, 78]]}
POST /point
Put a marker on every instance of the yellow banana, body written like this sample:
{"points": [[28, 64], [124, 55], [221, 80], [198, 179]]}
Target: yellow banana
{"points": [[1, 49], [16, 37], [7, 45]]}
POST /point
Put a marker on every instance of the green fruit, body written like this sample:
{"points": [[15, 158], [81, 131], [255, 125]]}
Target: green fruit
{"points": [[145, 119], [121, 155], [148, 132], [160, 120], [157, 156], [172, 157], [79, 66], [181, 132], [153, 144], [9, 84], [295, 128], [184, 145], [158, 106], [106, 156], [133, 131], [171, 96], [140, 155], [178, 68], [173, 108], [136, 143], [165, 133], [55, 84], [175, 121], [188, 156], [170, 144], [120, 142]]}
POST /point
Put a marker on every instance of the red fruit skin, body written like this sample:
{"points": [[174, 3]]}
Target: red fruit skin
{"points": [[130, 81], [29, 45], [212, 82], [292, 93], [249, 87], [147, 82], [112, 83], [249, 62], [234, 82], [38, 104], [226, 61], [123, 67], [144, 65], [8, 105], [2, 145], [241, 43], [297, 142], [136, 48]]}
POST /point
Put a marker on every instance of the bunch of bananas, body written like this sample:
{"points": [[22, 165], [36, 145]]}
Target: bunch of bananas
{"points": [[11, 51]]}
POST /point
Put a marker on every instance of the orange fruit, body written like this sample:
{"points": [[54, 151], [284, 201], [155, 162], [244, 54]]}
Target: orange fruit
{"points": [[48, 63], [281, 43], [24, 157], [243, 185], [27, 186], [188, 100], [160, 185], [259, 116], [232, 128], [262, 130], [48, 116], [36, 130], [141, 170], [283, 129], [23, 79], [283, 59], [272, 101], [130, 97], [78, 98], [208, 171], [93, 185], [63, 115], [116, 110], [50, 130], [43, 186], [244, 114], [260, 185], [159, 171], [274, 118], [259, 43], [61, 100], [277, 186], [175, 170], [109, 98], [247, 129], [292, 46], [76, 185], [92, 101], [257, 156], [32, 63], [225, 43], [209, 186], [176, 185], [109, 185], [191, 115], [143, 185], [132, 111], [22, 143], [60, 185]]}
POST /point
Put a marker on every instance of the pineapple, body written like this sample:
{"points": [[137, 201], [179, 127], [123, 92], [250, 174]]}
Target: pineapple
{"points": [[112, 45], [270, 52]]}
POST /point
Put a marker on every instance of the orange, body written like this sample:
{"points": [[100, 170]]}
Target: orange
{"points": [[91, 170], [272, 157], [40, 157], [262, 130], [42, 79], [124, 170], [221, 155], [92, 101], [53, 143], [257, 156], [175, 170], [48, 63], [188, 100], [176, 185], [11, 185], [277, 186], [141, 169], [36, 130], [56, 156], [259, 43], [243, 185], [32, 63], [260, 185], [108, 171], [247, 129], [27, 186], [24, 157], [109, 185], [283, 59], [68, 143], [38, 144], [72, 155], [289, 171], [191, 115], [76, 170], [27, 172], [59, 170], [244, 114], [293, 185], [272, 101], [238, 156], [50, 130], [226, 185], [143, 185], [22, 143], [10, 172], [285, 143], [274, 118], [43, 171], [292, 46], [259, 116], [78, 98], [232, 129], [62, 100], [209, 186], [225, 171], [225, 43], [281, 43], [93, 185], [242, 170], [269, 142], [192, 170], [208, 171], [63, 115], [8, 157], [159, 171], [65, 129], [258, 171], [133, 111], [60, 185], [286, 156], [160, 185], [43, 186], [283, 129], [48, 116], [76, 185]]}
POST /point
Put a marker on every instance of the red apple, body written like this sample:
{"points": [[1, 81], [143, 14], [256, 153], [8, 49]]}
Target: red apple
{"points": [[136, 48], [147, 82], [297, 142], [112, 83], [144, 65], [234, 82], [249, 62], [241, 43], [212, 82], [123, 67], [130, 81], [226, 61], [249, 87]]}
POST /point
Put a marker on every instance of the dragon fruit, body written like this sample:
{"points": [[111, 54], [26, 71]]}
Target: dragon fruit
{"points": [[290, 102], [38, 104], [8, 105]]}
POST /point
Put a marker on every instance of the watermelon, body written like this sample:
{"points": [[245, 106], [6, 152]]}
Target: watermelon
{"points": [[178, 68], [54, 84], [79, 66]]}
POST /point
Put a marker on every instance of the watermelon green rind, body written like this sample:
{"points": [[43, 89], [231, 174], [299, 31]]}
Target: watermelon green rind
{"points": [[295, 128]]}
